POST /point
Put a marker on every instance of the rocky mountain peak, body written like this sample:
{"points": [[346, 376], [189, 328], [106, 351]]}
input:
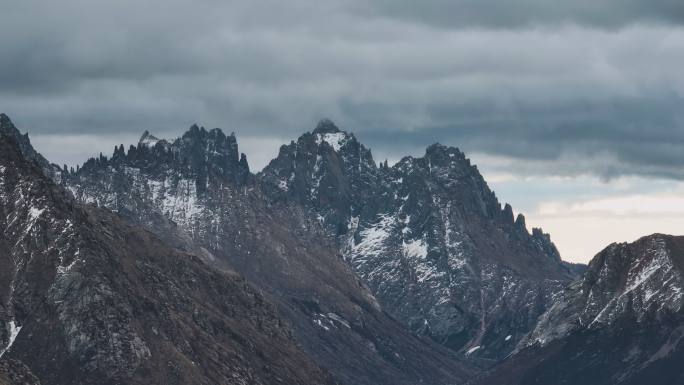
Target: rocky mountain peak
{"points": [[326, 126], [212, 145], [328, 135], [620, 324], [442, 161], [410, 229], [204, 151], [87, 297], [508, 213], [326, 167], [634, 277], [448, 161], [147, 139], [278, 247], [640, 281], [4, 119], [188, 167], [438, 151], [11, 150], [520, 223], [7, 128], [197, 135], [543, 240]]}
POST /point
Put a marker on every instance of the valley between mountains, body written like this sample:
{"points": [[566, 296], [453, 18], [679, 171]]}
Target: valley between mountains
{"points": [[171, 262]]}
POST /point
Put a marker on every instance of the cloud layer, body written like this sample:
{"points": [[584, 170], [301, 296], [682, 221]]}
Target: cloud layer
{"points": [[531, 81], [607, 14]]}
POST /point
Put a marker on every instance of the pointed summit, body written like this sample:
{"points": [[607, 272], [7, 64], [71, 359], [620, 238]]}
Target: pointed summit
{"points": [[203, 156], [440, 152], [10, 149], [148, 139], [327, 132], [326, 126], [508, 213], [629, 297], [7, 128], [520, 224], [144, 136], [4, 119]]}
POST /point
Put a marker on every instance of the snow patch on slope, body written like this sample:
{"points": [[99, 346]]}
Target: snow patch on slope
{"points": [[177, 199], [472, 350], [415, 249], [373, 238], [13, 333], [35, 213], [335, 140]]}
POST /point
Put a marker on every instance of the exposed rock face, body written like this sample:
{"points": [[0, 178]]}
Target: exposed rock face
{"points": [[621, 324], [7, 128], [86, 298], [198, 195], [428, 237], [335, 242], [13, 372], [638, 280]]}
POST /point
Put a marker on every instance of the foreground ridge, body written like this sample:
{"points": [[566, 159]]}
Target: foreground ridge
{"points": [[354, 263], [622, 323], [88, 298], [197, 194]]}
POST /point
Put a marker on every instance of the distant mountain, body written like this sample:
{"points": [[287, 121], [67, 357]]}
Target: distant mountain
{"points": [[196, 193], [428, 236], [86, 298], [621, 324], [409, 274]]}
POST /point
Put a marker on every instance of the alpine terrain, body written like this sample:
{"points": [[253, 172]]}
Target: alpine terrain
{"points": [[90, 299], [427, 236], [170, 261], [622, 323], [196, 194]]}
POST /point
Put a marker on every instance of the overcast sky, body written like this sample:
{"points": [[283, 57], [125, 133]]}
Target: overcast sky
{"points": [[574, 110]]}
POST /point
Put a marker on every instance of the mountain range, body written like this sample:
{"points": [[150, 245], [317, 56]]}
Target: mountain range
{"points": [[172, 262]]}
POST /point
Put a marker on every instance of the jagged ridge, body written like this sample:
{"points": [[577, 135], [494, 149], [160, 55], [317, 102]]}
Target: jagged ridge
{"points": [[620, 324], [87, 298], [427, 235], [190, 192]]}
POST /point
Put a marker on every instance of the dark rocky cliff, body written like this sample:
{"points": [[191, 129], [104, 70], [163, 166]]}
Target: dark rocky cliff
{"points": [[86, 298], [428, 236]]}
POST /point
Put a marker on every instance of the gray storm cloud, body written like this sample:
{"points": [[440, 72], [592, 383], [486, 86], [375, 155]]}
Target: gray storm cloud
{"points": [[540, 82], [524, 13]]}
